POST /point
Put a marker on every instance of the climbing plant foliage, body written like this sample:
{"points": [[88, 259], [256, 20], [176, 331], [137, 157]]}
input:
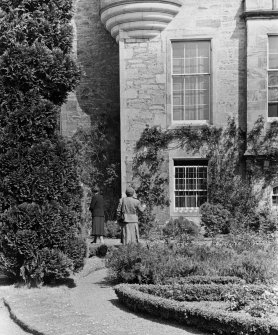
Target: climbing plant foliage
{"points": [[98, 155], [235, 164], [39, 186]]}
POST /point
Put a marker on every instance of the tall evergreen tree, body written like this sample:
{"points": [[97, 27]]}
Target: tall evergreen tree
{"points": [[39, 187]]}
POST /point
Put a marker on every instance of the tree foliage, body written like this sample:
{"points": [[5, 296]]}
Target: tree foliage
{"points": [[39, 186], [98, 153]]}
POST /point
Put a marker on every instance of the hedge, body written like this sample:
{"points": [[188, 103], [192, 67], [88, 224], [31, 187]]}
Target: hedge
{"points": [[194, 314], [198, 292], [222, 280]]}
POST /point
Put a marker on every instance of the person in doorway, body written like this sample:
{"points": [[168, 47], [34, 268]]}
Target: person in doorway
{"points": [[97, 210], [127, 212]]}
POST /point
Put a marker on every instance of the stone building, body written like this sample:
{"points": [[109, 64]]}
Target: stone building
{"points": [[171, 63]]}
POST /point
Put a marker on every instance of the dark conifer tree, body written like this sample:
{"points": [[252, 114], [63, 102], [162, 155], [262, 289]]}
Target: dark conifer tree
{"points": [[39, 186]]}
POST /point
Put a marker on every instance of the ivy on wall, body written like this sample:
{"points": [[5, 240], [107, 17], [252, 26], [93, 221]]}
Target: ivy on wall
{"points": [[98, 156], [230, 182]]}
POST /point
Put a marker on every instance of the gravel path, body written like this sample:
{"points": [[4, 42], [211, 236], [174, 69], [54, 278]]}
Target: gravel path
{"points": [[89, 308], [7, 325], [95, 298]]}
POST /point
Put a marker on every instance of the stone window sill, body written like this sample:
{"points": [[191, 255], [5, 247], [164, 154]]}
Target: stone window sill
{"points": [[197, 123]]}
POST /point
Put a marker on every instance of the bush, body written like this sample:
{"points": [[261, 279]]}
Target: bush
{"points": [[200, 292], [245, 299], [157, 263], [182, 230], [147, 264], [40, 194], [224, 280], [254, 220], [253, 267], [215, 219], [98, 250], [112, 229], [32, 235]]}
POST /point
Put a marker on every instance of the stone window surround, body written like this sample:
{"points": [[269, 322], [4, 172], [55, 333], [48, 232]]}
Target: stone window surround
{"points": [[170, 39], [200, 175], [177, 154], [269, 119]]}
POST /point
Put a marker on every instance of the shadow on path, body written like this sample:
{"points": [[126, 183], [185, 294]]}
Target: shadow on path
{"points": [[148, 317]]}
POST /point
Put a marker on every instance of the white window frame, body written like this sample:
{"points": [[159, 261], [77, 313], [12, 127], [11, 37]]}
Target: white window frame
{"points": [[180, 209], [270, 118], [209, 74]]}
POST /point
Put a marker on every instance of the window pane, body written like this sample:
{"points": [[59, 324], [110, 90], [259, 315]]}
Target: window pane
{"points": [[273, 110], [273, 52], [273, 61], [190, 199], [180, 199], [273, 44], [273, 78], [273, 94], [178, 83], [275, 190], [203, 113], [178, 66], [190, 114], [178, 49], [202, 198], [178, 114]]}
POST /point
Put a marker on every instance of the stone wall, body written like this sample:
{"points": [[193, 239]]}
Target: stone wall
{"points": [[258, 29], [98, 55], [145, 72]]}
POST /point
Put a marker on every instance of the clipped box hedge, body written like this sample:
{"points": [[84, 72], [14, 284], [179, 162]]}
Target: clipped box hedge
{"points": [[196, 314], [197, 292], [222, 280]]}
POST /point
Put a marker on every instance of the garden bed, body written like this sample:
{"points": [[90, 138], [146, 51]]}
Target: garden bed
{"points": [[206, 315], [198, 292]]}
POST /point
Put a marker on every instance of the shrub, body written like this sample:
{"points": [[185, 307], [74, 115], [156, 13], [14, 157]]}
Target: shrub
{"points": [[254, 220], [254, 304], [201, 292], [32, 235], [253, 267], [181, 229], [40, 194], [147, 264], [112, 229], [215, 219], [220, 280], [156, 263]]}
